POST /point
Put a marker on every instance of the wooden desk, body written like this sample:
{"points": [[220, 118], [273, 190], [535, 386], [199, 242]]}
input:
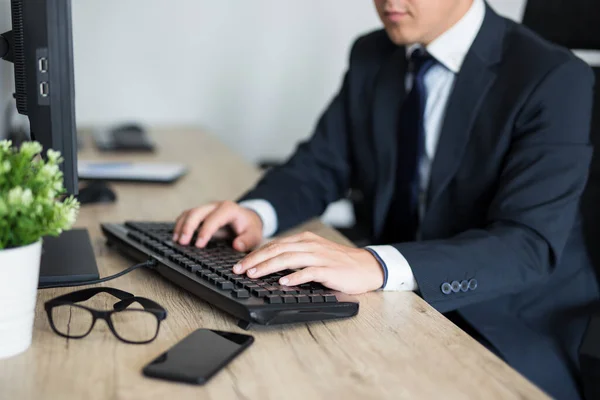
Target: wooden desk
{"points": [[398, 347]]}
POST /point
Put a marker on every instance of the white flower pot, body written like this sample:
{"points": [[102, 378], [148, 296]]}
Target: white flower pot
{"points": [[19, 272]]}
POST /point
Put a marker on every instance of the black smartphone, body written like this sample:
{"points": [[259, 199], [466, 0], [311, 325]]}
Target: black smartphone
{"points": [[198, 356]]}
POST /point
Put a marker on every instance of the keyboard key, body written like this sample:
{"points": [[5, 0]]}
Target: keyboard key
{"points": [[317, 291], [304, 292], [193, 267], [316, 298], [289, 291], [161, 249], [274, 299], [241, 293], [135, 236], [226, 285], [330, 298], [198, 259], [132, 225], [274, 290], [204, 274], [302, 298], [260, 292], [288, 298]]}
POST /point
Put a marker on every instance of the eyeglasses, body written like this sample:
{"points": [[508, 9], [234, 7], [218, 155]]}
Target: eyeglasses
{"points": [[130, 325]]}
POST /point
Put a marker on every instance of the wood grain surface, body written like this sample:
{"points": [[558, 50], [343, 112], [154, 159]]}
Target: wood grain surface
{"points": [[398, 347]]}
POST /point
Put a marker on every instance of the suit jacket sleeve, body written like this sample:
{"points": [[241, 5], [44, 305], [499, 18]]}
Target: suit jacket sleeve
{"points": [[535, 205], [317, 174]]}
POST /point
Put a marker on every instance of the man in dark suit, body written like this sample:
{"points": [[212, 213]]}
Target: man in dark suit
{"points": [[469, 137]]}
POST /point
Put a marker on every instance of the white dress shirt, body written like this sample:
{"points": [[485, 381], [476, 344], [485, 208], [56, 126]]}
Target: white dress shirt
{"points": [[450, 50]]}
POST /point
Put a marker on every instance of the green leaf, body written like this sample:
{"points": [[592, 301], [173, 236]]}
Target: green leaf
{"points": [[30, 206]]}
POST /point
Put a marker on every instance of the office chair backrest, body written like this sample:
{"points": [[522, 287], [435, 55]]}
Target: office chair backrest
{"points": [[571, 23], [589, 352], [590, 203]]}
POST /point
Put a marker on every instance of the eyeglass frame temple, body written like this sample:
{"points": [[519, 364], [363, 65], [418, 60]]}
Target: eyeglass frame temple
{"points": [[149, 305], [86, 294]]}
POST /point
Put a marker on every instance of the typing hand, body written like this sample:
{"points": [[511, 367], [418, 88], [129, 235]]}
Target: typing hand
{"points": [[338, 267], [246, 225]]}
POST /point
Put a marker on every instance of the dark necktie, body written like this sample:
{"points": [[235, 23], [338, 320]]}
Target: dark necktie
{"points": [[403, 217]]}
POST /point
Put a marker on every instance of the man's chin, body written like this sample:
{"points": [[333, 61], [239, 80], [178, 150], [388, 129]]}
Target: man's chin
{"points": [[400, 36]]}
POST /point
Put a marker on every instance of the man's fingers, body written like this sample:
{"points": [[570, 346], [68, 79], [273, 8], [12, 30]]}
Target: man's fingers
{"points": [[222, 216], [179, 224], [251, 241], [270, 251], [310, 274], [282, 262], [299, 237], [247, 241], [192, 221]]}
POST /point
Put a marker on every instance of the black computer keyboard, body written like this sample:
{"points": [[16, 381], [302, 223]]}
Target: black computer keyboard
{"points": [[207, 273]]}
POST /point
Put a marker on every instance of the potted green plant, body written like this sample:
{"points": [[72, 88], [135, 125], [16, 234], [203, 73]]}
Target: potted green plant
{"points": [[31, 206]]}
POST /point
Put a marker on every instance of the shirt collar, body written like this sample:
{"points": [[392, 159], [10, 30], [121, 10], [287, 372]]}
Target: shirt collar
{"points": [[451, 48]]}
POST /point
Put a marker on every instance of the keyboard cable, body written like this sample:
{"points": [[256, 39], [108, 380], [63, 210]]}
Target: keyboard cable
{"points": [[146, 264]]}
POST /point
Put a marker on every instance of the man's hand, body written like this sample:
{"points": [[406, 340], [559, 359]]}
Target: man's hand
{"points": [[246, 225], [338, 267]]}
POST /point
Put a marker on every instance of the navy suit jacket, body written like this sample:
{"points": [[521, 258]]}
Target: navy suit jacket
{"points": [[503, 202]]}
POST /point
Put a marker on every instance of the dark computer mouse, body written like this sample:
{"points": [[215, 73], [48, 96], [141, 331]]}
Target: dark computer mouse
{"points": [[128, 137], [129, 128], [95, 193]]}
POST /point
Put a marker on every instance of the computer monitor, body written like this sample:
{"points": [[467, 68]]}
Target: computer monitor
{"points": [[41, 47]]}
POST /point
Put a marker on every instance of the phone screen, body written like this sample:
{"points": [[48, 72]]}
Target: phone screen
{"points": [[198, 356]]}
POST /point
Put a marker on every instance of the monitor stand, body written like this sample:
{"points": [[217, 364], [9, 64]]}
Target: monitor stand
{"points": [[68, 258]]}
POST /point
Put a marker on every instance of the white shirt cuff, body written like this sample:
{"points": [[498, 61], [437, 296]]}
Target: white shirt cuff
{"points": [[267, 214], [400, 277]]}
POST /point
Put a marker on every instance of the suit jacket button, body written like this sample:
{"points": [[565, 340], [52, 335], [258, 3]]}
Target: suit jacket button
{"points": [[473, 284], [446, 288], [455, 286], [464, 286]]}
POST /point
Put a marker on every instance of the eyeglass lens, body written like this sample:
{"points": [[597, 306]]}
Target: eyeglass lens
{"points": [[71, 320], [135, 325]]}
